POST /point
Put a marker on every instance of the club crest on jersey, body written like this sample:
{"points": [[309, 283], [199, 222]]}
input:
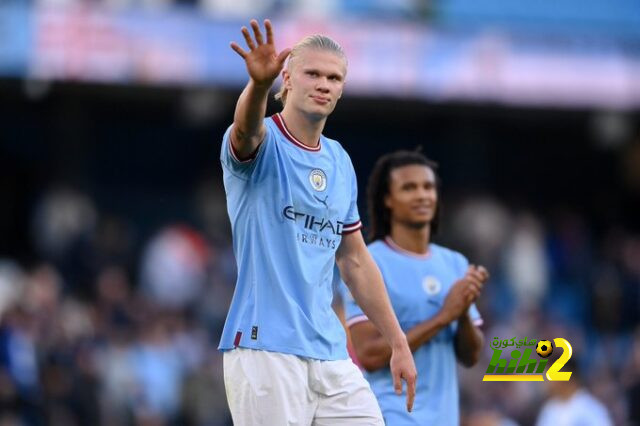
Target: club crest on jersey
{"points": [[318, 180], [431, 285]]}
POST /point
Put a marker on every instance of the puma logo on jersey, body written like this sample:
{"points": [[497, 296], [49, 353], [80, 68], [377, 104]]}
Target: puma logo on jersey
{"points": [[322, 201]]}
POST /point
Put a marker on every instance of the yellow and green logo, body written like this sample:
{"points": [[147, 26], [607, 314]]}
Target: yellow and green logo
{"points": [[522, 365]]}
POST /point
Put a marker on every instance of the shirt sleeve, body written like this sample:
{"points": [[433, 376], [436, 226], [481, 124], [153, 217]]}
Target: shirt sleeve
{"points": [[461, 264], [242, 168], [475, 316], [352, 219]]}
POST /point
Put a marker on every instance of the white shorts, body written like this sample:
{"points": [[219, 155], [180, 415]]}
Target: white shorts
{"points": [[272, 388]]}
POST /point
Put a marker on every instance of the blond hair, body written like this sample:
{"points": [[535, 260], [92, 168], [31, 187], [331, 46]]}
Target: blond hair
{"points": [[316, 41]]}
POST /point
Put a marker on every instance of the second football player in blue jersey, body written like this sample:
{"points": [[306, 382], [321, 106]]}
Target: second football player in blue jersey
{"points": [[432, 290]]}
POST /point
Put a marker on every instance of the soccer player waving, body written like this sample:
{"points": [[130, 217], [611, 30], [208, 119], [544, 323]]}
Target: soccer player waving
{"points": [[432, 290], [291, 197]]}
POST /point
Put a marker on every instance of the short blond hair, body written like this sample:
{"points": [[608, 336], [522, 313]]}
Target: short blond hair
{"points": [[315, 41]]}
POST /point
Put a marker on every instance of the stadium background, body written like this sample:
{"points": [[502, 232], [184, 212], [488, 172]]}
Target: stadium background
{"points": [[115, 262]]}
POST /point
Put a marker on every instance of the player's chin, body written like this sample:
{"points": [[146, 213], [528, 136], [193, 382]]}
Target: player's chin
{"points": [[320, 112], [424, 216], [327, 106], [419, 223]]}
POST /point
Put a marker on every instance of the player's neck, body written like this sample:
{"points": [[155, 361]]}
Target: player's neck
{"points": [[303, 127], [415, 240]]}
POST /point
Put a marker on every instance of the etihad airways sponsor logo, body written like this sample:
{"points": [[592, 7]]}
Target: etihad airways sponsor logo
{"points": [[313, 223]]}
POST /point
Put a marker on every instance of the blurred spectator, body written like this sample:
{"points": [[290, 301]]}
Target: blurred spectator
{"points": [[158, 373], [11, 284], [201, 392], [118, 382], [116, 306], [19, 368], [482, 226], [488, 418], [632, 380], [570, 403], [210, 204], [174, 267], [62, 219], [525, 262], [63, 225]]}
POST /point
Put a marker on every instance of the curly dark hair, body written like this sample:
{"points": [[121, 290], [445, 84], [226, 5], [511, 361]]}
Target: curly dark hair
{"points": [[378, 188]]}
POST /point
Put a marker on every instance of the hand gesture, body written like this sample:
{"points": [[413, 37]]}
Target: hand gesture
{"points": [[464, 292], [263, 62], [403, 368], [476, 277]]}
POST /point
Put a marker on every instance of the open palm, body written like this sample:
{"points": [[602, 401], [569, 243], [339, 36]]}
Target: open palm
{"points": [[262, 60]]}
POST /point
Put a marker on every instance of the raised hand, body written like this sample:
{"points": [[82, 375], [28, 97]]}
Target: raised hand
{"points": [[263, 62]]}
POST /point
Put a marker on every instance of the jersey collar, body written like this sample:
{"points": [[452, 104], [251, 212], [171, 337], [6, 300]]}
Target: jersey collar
{"points": [[277, 118], [393, 246]]}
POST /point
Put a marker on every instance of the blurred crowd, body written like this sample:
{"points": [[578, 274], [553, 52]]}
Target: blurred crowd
{"points": [[553, 276], [97, 332], [234, 9], [106, 330]]}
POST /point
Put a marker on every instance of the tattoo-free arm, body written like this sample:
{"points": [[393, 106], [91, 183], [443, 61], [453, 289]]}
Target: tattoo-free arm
{"points": [[362, 276], [468, 341], [372, 349]]}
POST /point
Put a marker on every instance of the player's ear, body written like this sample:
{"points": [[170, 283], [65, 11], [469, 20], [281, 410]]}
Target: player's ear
{"points": [[286, 79], [387, 201]]}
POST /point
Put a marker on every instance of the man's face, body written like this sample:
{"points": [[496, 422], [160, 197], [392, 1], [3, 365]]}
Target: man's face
{"points": [[412, 197], [315, 81]]}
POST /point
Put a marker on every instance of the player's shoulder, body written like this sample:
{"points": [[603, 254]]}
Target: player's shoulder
{"points": [[271, 125], [447, 254], [379, 250], [335, 148], [332, 144]]}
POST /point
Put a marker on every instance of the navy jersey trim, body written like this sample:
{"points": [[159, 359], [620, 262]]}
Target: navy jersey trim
{"points": [[277, 118]]}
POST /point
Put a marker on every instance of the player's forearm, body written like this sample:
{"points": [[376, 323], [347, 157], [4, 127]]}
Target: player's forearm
{"points": [[468, 341], [364, 280], [425, 331], [376, 353], [248, 127]]}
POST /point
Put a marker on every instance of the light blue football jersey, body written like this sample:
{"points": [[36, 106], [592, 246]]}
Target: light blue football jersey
{"points": [[289, 207], [417, 286]]}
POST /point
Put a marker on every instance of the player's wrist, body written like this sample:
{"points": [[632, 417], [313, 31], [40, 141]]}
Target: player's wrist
{"points": [[444, 317], [465, 316], [399, 342], [262, 85]]}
